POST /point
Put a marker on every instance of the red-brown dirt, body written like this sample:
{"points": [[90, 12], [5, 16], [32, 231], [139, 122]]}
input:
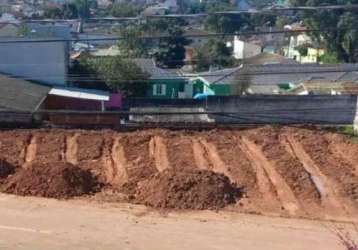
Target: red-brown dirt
{"points": [[187, 189], [282, 171], [6, 169], [58, 180]]}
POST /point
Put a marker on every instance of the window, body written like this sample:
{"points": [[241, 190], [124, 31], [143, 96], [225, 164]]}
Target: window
{"points": [[159, 89]]}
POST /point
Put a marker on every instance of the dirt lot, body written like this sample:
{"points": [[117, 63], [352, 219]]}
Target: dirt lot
{"points": [[289, 172], [37, 223]]}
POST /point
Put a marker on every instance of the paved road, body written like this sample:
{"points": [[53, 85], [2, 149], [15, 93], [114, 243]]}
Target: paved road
{"points": [[32, 223]]}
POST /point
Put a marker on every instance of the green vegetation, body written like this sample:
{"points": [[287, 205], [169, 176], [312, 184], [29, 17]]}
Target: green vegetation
{"points": [[343, 42], [71, 10], [214, 53], [169, 52], [125, 10], [349, 132], [117, 73]]}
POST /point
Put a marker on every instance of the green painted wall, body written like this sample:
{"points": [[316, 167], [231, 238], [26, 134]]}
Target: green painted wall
{"points": [[172, 87], [221, 89], [215, 89]]}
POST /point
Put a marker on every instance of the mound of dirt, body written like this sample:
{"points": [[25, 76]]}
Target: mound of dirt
{"points": [[189, 189], [6, 169], [60, 180]]}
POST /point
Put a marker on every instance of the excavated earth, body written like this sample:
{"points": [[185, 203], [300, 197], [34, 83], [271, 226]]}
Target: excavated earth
{"points": [[279, 171]]}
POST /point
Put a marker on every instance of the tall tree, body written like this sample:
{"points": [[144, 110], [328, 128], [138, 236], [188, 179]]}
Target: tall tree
{"points": [[214, 53], [70, 11], [343, 41], [120, 74], [171, 52]]}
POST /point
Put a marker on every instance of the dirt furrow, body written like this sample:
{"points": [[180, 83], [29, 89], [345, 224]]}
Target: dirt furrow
{"points": [[71, 149], [324, 186], [336, 168], [201, 156], [13, 145], [218, 165], [31, 149], [139, 164], [346, 151], [180, 152], [284, 193], [158, 152], [120, 175]]}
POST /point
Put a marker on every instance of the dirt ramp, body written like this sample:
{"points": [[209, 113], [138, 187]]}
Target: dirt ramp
{"points": [[59, 180], [189, 189]]}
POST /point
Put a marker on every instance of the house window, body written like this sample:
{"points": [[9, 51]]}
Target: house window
{"points": [[159, 89]]}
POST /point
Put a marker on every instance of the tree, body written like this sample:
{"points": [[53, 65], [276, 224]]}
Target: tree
{"points": [[214, 53], [342, 42], [303, 49], [120, 75], [171, 52], [69, 11], [53, 13], [83, 8], [131, 44], [125, 10]]}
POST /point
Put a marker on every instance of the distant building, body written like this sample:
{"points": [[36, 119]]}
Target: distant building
{"points": [[270, 78], [243, 50], [321, 87], [8, 30], [162, 83], [302, 39], [45, 61]]}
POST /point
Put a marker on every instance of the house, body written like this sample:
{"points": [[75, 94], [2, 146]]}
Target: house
{"points": [[45, 62], [155, 11], [268, 78], [32, 58], [243, 50], [162, 84], [9, 29], [26, 96], [20, 95], [320, 87], [268, 58], [297, 40]]}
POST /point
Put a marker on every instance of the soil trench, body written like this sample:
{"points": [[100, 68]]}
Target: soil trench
{"points": [[71, 149], [218, 165], [120, 175], [158, 152], [324, 185], [284, 193], [201, 155], [30, 151]]}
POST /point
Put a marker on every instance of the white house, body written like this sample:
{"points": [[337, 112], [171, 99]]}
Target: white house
{"points": [[242, 50]]}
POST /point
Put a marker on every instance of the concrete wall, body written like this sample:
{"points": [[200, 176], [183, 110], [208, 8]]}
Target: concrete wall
{"points": [[45, 62], [285, 109], [242, 50], [188, 118]]}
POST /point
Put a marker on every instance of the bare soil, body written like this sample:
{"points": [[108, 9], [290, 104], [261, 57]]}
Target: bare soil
{"points": [[188, 189], [282, 171], [60, 180]]}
